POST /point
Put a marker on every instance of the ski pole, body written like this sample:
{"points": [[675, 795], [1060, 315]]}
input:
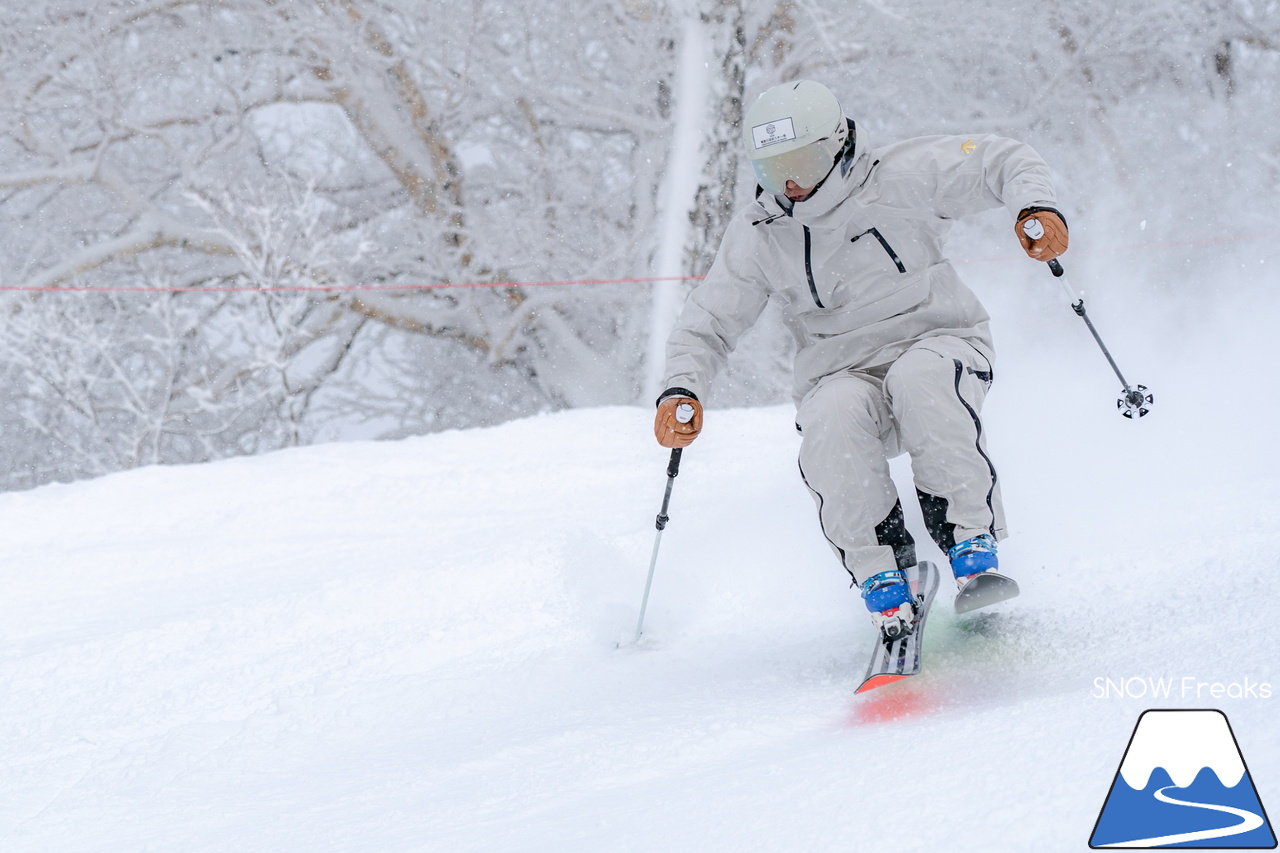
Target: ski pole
{"points": [[1136, 399], [684, 414]]}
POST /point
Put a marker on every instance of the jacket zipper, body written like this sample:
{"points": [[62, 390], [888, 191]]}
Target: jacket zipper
{"points": [[875, 232], [808, 265]]}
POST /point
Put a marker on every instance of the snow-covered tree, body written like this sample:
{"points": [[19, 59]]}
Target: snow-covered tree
{"points": [[296, 152], [341, 199]]}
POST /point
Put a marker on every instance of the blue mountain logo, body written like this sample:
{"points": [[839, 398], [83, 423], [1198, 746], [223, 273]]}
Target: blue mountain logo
{"points": [[1183, 783]]}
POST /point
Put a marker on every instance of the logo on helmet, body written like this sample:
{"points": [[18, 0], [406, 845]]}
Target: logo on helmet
{"points": [[773, 132]]}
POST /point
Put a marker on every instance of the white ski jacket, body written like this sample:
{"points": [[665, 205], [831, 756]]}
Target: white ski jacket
{"points": [[858, 268]]}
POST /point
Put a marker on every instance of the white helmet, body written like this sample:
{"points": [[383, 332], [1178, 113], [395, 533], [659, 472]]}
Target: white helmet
{"points": [[794, 132]]}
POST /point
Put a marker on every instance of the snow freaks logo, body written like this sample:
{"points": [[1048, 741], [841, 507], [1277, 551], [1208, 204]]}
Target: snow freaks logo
{"points": [[1183, 783]]}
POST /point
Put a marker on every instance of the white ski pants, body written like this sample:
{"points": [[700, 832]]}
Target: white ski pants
{"points": [[927, 403]]}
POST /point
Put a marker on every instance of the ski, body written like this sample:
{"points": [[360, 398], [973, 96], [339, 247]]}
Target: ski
{"points": [[985, 589], [898, 659]]}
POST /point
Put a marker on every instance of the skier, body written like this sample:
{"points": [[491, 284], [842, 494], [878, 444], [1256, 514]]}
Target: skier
{"points": [[894, 352]]}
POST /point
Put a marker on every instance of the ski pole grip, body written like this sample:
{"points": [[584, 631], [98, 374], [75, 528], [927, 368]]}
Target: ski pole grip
{"points": [[1033, 229], [673, 466], [684, 413]]}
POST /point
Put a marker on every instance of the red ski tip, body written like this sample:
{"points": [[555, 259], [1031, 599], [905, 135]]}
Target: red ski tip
{"points": [[878, 681]]}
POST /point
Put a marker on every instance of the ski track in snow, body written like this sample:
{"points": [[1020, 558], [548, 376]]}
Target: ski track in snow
{"points": [[413, 645]]}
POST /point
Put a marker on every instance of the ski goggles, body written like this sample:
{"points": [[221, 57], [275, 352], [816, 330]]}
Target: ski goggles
{"points": [[806, 166]]}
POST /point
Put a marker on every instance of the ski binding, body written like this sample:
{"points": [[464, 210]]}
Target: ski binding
{"points": [[899, 658]]}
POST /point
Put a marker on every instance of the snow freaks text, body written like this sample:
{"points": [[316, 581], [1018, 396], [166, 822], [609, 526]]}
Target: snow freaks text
{"points": [[1185, 687]]}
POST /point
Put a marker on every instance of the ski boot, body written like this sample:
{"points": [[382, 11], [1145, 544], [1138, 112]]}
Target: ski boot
{"points": [[891, 604], [974, 564], [972, 557]]}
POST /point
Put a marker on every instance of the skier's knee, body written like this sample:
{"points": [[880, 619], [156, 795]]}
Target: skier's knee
{"points": [[916, 366], [844, 403]]}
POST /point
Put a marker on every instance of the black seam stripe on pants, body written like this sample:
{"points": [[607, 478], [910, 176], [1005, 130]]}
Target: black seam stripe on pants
{"points": [[822, 526], [977, 422]]}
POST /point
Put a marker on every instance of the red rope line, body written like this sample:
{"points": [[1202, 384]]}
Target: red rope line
{"points": [[367, 288], [1128, 247], [339, 288]]}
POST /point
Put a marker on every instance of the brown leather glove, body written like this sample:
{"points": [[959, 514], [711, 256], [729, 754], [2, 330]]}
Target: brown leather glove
{"points": [[1052, 229], [667, 426]]}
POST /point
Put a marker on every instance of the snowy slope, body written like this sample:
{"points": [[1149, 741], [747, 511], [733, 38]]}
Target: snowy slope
{"points": [[413, 645]]}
